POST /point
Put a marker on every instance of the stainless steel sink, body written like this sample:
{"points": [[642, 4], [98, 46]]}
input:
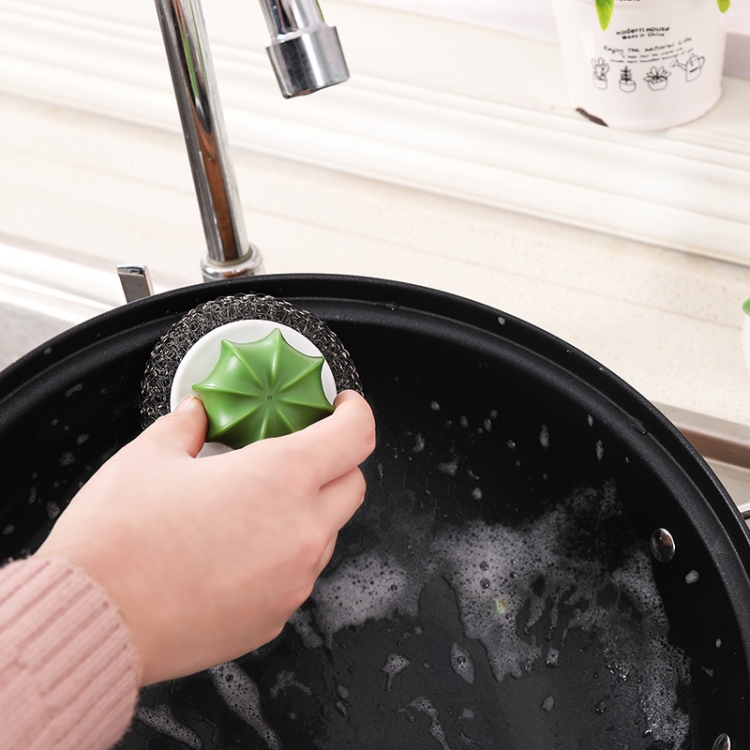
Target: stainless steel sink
{"points": [[724, 445], [43, 292], [23, 330]]}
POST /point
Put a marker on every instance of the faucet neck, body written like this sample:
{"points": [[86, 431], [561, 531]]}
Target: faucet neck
{"points": [[306, 56], [191, 66]]}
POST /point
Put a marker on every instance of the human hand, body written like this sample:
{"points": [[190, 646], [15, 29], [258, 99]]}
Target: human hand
{"points": [[206, 558]]}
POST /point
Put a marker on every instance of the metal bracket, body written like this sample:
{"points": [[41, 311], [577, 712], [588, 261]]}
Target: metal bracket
{"points": [[135, 280]]}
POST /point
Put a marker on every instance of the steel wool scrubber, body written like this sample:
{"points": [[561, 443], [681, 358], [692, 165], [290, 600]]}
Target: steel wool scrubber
{"points": [[261, 366]]}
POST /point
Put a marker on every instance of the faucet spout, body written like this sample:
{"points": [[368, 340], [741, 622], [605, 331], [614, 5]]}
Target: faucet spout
{"points": [[305, 52], [306, 56]]}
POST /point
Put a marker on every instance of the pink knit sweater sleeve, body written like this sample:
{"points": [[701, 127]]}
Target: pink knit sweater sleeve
{"points": [[68, 669]]}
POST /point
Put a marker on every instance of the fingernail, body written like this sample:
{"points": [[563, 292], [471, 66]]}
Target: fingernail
{"points": [[186, 402]]}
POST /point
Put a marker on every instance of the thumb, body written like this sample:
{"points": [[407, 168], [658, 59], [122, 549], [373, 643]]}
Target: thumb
{"points": [[184, 429]]}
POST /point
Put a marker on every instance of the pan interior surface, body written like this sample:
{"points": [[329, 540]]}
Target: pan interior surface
{"points": [[497, 588]]}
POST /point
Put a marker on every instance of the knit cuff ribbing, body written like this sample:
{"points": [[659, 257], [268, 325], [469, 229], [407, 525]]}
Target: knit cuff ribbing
{"points": [[68, 668]]}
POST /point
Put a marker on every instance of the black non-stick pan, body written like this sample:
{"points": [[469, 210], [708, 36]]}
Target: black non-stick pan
{"points": [[542, 561]]}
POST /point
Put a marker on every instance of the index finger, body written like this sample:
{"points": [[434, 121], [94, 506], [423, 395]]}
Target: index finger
{"points": [[341, 441]]}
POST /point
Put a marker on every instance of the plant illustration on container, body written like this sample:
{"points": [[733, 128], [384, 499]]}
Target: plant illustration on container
{"points": [[650, 46], [657, 78], [627, 84], [604, 10], [601, 68], [693, 66]]}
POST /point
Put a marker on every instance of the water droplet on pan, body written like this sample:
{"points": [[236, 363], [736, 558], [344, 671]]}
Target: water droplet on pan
{"points": [[75, 389], [449, 467], [462, 663], [343, 691], [394, 664], [599, 451], [544, 436], [638, 426]]}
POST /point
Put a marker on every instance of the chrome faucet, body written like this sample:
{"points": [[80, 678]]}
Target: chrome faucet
{"points": [[306, 56]]}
